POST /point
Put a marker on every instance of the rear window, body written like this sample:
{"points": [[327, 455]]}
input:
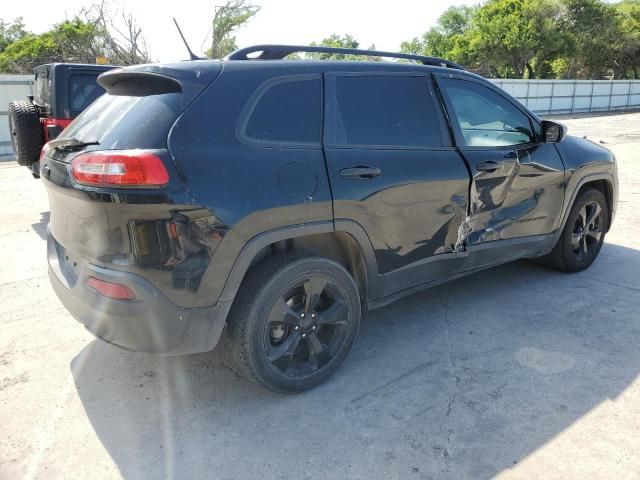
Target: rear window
{"points": [[386, 110], [83, 90], [120, 122], [287, 110]]}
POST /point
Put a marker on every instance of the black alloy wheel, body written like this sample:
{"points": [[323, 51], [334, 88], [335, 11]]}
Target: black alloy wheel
{"points": [[587, 231], [305, 327], [293, 321], [583, 235]]}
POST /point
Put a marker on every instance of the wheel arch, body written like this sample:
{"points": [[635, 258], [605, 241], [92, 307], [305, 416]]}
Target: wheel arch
{"points": [[604, 183], [343, 241]]}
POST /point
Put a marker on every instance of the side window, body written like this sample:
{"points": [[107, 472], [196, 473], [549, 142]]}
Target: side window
{"points": [[485, 117], [42, 88], [83, 90], [288, 111], [379, 110]]}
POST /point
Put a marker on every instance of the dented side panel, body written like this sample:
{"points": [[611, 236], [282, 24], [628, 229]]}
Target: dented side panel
{"points": [[412, 211], [522, 197]]}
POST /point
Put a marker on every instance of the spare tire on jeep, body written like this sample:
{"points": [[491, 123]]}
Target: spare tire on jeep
{"points": [[26, 133]]}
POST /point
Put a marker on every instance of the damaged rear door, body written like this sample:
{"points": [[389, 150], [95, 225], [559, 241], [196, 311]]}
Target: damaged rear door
{"points": [[516, 191], [394, 170]]}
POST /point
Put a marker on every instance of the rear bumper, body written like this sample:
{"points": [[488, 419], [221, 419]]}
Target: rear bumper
{"points": [[149, 323]]}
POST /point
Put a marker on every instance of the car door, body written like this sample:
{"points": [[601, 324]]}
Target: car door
{"points": [[517, 186], [393, 169]]}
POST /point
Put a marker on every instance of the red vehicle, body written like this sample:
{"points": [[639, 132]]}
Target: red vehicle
{"points": [[61, 92]]}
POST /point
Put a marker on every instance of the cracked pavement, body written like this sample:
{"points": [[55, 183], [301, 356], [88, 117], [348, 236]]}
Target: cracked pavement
{"points": [[515, 372]]}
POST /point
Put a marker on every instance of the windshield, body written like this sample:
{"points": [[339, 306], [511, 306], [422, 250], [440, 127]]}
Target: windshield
{"points": [[120, 122]]}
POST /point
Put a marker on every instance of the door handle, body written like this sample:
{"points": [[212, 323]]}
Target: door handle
{"points": [[489, 166], [362, 173]]}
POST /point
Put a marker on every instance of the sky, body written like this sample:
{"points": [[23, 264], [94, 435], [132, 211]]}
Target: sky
{"points": [[279, 21]]}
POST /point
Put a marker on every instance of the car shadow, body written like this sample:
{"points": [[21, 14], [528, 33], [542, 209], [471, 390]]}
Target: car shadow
{"points": [[41, 227], [463, 380]]}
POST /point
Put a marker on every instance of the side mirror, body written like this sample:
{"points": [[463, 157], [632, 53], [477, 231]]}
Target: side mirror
{"points": [[553, 132]]}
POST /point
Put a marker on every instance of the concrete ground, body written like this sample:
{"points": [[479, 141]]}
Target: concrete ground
{"points": [[516, 372]]}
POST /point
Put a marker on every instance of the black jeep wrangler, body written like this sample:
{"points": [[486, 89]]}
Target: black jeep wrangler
{"points": [[61, 92], [284, 199]]}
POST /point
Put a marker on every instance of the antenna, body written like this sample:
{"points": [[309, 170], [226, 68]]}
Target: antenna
{"points": [[192, 56]]}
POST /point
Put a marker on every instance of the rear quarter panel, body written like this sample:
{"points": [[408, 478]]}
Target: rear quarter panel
{"points": [[250, 189]]}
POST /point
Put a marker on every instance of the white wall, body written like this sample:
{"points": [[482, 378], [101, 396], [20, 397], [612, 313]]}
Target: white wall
{"points": [[12, 87], [571, 96]]}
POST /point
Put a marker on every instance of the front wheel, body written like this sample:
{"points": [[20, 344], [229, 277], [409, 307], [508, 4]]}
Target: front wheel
{"points": [[583, 234], [293, 322]]}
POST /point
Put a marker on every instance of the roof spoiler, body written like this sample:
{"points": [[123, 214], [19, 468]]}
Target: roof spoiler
{"points": [[138, 84], [190, 78]]}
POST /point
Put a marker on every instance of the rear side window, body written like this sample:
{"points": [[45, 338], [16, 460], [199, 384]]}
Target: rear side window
{"points": [[385, 110], [285, 110], [83, 90], [120, 121], [42, 88]]}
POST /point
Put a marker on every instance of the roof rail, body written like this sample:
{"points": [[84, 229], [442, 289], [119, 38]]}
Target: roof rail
{"points": [[278, 52]]}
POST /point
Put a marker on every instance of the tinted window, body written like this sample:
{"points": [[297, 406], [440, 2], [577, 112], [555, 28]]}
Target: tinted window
{"points": [[486, 118], [385, 110], [83, 90], [119, 122], [288, 111]]}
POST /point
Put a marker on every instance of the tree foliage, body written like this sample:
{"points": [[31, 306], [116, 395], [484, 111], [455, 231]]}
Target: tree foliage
{"points": [[335, 41], [10, 32], [539, 38], [227, 19], [92, 32], [338, 41]]}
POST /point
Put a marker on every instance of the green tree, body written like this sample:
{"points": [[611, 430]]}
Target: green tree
{"points": [[627, 58], [517, 36], [93, 32], [448, 39], [79, 40], [591, 28], [10, 32], [227, 19], [335, 41], [28, 51]]}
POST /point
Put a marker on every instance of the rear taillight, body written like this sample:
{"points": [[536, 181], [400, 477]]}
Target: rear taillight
{"points": [[116, 291], [119, 168], [54, 127]]}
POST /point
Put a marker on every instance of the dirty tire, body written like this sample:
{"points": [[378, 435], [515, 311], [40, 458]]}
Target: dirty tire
{"points": [[267, 319], [582, 237], [26, 133]]}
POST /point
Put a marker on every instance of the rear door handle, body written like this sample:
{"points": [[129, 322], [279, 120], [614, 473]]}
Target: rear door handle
{"points": [[489, 166], [363, 173]]}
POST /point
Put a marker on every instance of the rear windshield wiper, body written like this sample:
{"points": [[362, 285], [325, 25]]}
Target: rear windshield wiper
{"points": [[67, 144]]}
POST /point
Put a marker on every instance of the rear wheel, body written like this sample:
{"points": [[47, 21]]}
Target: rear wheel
{"points": [[26, 132], [293, 322], [583, 234]]}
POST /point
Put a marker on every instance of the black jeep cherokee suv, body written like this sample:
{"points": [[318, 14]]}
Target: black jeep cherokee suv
{"points": [[286, 198]]}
